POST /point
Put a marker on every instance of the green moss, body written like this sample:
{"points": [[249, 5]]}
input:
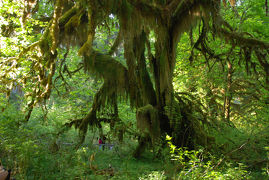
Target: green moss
{"points": [[66, 16], [127, 9], [71, 25]]}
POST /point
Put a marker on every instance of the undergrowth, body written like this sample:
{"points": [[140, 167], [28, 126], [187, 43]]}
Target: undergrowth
{"points": [[34, 150]]}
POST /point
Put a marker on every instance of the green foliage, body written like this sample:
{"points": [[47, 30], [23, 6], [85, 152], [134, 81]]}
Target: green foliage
{"points": [[201, 165], [154, 175], [42, 148]]}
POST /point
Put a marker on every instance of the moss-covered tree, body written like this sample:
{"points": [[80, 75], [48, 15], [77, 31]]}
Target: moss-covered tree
{"points": [[146, 79]]}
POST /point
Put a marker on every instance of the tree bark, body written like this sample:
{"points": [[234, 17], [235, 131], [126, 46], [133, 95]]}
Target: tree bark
{"points": [[228, 92]]}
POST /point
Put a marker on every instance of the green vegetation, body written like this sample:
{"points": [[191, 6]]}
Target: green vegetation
{"points": [[180, 89]]}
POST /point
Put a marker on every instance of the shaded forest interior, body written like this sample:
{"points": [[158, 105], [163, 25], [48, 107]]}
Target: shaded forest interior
{"points": [[176, 89]]}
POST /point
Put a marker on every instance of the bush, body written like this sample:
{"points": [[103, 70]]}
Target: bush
{"points": [[202, 165]]}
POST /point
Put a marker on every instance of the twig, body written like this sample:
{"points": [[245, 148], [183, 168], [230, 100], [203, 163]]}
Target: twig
{"points": [[228, 153]]}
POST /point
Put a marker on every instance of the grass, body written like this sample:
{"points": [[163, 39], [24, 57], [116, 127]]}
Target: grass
{"points": [[21, 150]]}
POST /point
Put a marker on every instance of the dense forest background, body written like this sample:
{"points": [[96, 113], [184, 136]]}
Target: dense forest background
{"points": [[180, 88]]}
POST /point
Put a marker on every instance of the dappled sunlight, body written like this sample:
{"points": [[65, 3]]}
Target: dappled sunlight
{"points": [[124, 89]]}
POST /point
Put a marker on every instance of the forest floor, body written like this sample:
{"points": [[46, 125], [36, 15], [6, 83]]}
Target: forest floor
{"points": [[34, 152]]}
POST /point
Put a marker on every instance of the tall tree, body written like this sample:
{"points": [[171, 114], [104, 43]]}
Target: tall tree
{"points": [[146, 79]]}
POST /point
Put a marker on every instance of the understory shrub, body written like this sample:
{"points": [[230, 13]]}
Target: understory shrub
{"points": [[199, 164]]}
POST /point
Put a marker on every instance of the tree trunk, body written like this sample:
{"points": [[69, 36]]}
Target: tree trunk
{"points": [[163, 76], [142, 144], [228, 93]]}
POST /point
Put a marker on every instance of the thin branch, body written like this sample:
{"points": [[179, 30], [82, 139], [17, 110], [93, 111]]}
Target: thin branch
{"points": [[230, 152], [240, 40], [60, 71], [117, 42]]}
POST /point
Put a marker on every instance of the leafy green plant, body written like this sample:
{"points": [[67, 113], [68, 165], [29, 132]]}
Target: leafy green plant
{"points": [[153, 176], [192, 164]]}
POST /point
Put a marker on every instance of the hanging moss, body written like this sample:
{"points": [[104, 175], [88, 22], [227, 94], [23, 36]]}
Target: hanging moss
{"points": [[86, 48], [72, 23], [153, 97], [126, 9], [148, 121], [67, 15]]}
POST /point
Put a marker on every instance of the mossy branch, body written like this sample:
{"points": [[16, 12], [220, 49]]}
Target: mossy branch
{"points": [[242, 41], [117, 42]]}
